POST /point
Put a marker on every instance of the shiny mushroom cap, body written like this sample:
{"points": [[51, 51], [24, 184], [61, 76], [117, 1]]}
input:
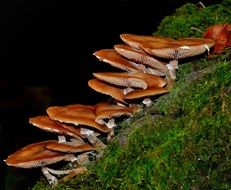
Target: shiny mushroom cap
{"points": [[135, 40], [35, 155], [109, 114], [140, 93], [71, 117], [45, 123], [69, 148], [111, 57], [151, 80], [121, 79], [104, 88], [141, 56], [182, 48], [80, 109]]}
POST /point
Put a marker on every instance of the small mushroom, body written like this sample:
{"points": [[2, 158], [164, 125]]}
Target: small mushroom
{"points": [[155, 66], [121, 79], [79, 109], [83, 149], [69, 147], [145, 94], [104, 88], [36, 155], [111, 57], [44, 122], [135, 40], [179, 49], [83, 121], [131, 80]]}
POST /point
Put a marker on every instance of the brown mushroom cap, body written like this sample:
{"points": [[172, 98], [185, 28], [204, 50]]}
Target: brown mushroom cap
{"points": [[71, 117], [45, 123], [104, 88], [34, 155], [140, 93], [135, 40], [68, 148], [132, 79], [151, 80], [111, 110], [81, 110], [121, 79], [141, 56], [182, 48], [116, 60]]}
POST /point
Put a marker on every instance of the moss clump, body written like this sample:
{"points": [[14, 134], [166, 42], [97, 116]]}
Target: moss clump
{"points": [[179, 24], [183, 141]]}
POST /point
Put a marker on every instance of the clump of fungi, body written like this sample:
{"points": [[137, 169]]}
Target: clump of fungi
{"points": [[146, 73]]}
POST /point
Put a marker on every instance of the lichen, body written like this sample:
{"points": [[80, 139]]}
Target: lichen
{"points": [[183, 141]]}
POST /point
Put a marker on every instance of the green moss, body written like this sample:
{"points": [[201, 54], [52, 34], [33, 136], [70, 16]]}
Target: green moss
{"points": [[183, 140], [179, 24]]}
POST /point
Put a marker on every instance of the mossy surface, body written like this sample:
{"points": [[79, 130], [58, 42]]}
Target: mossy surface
{"points": [[183, 141], [179, 24]]}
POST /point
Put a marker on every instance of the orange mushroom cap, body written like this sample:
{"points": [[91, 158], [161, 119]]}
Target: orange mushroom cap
{"points": [[71, 117], [140, 93], [135, 40], [79, 109], [121, 79], [68, 148], [35, 155], [45, 123], [182, 48], [111, 57], [141, 56], [104, 88]]}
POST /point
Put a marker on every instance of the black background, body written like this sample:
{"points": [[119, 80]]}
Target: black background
{"points": [[46, 51]]}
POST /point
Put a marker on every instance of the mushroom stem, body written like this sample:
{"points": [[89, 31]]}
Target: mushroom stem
{"points": [[96, 142], [127, 90], [52, 180], [111, 125], [74, 172], [92, 138], [61, 138], [58, 172], [172, 66], [147, 102]]}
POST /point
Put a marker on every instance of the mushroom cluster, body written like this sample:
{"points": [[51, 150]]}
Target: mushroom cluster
{"points": [[149, 66], [146, 73], [78, 128]]}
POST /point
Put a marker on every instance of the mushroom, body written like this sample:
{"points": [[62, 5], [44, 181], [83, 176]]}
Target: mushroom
{"points": [[44, 122], [105, 111], [145, 94], [135, 40], [79, 109], [69, 147], [36, 155], [121, 79], [104, 88], [132, 79], [182, 48], [85, 121], [73, 147], [156, 67], [111, 57]]}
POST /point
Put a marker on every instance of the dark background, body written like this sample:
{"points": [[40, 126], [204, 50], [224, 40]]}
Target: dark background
{"points": [[46, 50]]}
